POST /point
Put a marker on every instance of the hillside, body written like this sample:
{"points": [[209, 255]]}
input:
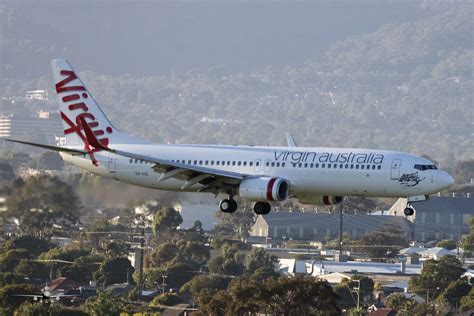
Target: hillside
{"points": [[408, 85]]}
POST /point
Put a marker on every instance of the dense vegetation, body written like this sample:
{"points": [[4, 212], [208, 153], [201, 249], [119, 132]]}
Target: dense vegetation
{"points": [[406, 86]]}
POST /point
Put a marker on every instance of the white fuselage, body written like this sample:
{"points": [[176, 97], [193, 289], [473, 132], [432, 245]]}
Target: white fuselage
{"points": [[309, 171]]}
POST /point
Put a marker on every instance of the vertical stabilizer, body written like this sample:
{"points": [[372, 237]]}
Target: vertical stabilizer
{"points": [[76, 101]]}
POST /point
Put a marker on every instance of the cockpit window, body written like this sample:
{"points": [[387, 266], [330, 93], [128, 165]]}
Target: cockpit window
{"points": [[425, 167]]}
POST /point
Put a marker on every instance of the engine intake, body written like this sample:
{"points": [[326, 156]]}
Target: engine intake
{"points": [[264, 189], [320, 199]]}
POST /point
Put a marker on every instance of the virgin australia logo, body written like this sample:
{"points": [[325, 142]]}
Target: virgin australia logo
{"points": [[410, 179]]}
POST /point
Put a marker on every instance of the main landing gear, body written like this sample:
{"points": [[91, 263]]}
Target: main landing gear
{"points": [[228, 205], [262, 208], [408, 211]]}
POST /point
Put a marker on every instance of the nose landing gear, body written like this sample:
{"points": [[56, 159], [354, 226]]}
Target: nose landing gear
{"points": [[408, 211]]}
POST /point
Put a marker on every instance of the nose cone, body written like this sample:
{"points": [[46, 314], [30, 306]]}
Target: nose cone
{"points": [[445, 180]]}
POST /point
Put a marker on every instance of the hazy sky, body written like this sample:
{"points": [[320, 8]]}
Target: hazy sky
{"points": [[149, 37]]}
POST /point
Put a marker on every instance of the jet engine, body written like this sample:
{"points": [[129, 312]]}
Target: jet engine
{"points": [[320, 199], [264, 189]]}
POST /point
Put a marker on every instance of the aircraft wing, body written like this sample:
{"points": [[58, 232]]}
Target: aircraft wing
{"points": [[213, 180]]}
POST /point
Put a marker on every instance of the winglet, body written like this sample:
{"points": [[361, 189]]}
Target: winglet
{"points": [[290, 140], [91, 139]]}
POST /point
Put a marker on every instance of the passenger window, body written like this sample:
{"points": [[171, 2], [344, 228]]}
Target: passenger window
{"points": [[329, 165], [300, 165], [239, 163], [228, 163], [341, 166], [267, 164], [283, 164], [323, 165], [200, 162], [373, 167], [195, 162], [278, 164], [352, 166], [362, 167], [317, 165], [245, 163], [347, 166], [217, 162], [379, 167], [233, 163], [207, 161], [273, 164], [189, 162], [131, 160], [357, 166], [257, 163], [251, 163], [212, 162]]}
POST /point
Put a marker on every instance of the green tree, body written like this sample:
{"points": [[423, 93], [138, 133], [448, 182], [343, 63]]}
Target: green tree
{"points": [[165, 221], [6, 172], [201, 282], [35, 246], [455, 291], [468, 241], [236, 224], [213, 303], [117, 270], [10, 259], [162, 255], [383, 243], [168, 299], [447, 244], [8, 298], [298, 296], [230, 262], [7, 278], [32, 269], [103, 304], [35, 309], [400, 303], [467, 302], [42, 202], [259, 258], [436, 276], [83, 268], [176, 274]]}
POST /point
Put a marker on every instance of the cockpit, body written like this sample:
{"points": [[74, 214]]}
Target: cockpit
{"points": [[425, 167]]}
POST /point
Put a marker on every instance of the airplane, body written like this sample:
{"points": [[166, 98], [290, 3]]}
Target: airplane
{"points": [[46, 296], [263, 175]]}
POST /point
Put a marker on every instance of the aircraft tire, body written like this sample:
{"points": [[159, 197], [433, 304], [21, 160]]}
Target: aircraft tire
{"points": [[228, 206], [262, 208]]}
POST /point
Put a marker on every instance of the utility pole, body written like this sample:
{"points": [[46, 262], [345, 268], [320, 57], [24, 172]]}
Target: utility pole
{"points": [[340, 228], [140, 275], [164, 276]]}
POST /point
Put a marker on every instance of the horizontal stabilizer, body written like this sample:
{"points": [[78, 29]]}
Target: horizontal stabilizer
{"points": [[49, 147]]}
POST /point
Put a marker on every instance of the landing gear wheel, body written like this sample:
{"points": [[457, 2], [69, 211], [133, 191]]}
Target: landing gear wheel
{"points": [[228, 206], [262, 208], [408, 211]]}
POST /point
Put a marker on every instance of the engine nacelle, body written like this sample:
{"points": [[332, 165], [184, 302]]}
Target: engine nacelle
{"points": [[264, 189], [320, 199]]}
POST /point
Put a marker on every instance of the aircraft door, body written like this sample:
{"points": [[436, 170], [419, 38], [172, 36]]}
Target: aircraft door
{"points": [[395, 170], [112, 163], [267, 165]]}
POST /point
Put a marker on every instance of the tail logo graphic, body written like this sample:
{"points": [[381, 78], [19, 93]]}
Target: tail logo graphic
{"points": [[76, 98]]}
